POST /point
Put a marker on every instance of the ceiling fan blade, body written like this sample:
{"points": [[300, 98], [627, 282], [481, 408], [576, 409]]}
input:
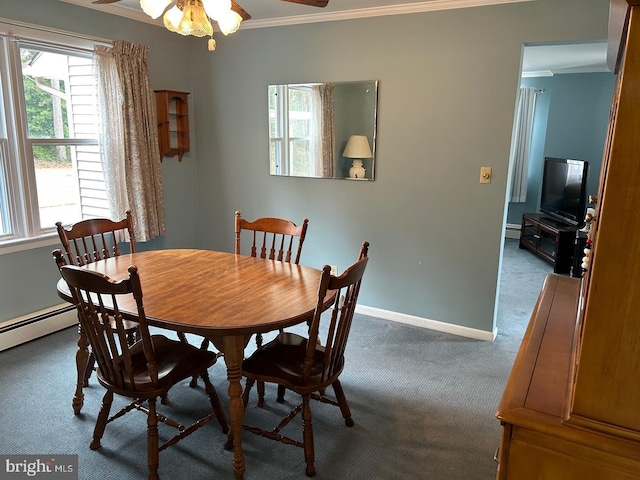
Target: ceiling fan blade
{"points": [[311, 3], [239, 10], [101, 2]]}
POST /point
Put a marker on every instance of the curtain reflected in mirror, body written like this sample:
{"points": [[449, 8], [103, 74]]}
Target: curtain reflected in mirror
{"points": [[310, 125]]}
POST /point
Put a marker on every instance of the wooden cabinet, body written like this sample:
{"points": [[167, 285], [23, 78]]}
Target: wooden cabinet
{"points": [[536, 442], [549, 239], [571, 407], [606, 391], [173, 123]]}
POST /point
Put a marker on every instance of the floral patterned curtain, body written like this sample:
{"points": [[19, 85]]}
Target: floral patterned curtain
{"points": [[129, 137], [328, 136]]}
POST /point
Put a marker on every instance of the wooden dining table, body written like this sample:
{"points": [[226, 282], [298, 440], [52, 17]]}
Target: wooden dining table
{"points": [[221, 296]]}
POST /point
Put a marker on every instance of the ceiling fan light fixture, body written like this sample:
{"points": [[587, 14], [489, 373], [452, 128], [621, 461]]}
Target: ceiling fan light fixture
{"points": [[229, 23], [194, 20], [154, 8]]}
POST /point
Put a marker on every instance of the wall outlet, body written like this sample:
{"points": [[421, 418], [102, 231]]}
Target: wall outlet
{"points": [[334, 270]]}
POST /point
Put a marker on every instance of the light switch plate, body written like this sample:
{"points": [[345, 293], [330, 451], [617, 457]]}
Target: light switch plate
{"points": [[485, 174]]}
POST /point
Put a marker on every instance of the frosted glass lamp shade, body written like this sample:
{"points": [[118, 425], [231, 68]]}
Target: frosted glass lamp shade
{"points": [[216, 9], [154, 8], [229, 23], [195, 21], [172, 19]]}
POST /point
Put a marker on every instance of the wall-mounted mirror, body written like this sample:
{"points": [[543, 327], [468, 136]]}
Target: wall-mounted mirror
{"points": [[323, 130]]}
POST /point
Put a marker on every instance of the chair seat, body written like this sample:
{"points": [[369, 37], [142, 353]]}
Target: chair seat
{"points": [[175, 361], [282, 361]]}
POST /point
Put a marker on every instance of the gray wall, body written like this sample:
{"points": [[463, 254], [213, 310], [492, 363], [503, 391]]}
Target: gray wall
{"points": [[570, 121], [448, 83]]}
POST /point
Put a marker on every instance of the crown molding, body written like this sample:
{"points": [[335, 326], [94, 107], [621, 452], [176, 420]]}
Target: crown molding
{"points": [[419, 7], [407, 8], [540, 73]]}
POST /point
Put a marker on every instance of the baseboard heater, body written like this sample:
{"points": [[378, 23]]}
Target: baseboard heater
{"points": [[512, 230], [29, 327]]}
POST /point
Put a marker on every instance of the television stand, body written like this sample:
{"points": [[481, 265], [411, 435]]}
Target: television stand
{"points": [[550, 239]]}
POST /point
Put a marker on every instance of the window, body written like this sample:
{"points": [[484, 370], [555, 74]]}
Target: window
{"points": [[293, 130], [50, 167]]}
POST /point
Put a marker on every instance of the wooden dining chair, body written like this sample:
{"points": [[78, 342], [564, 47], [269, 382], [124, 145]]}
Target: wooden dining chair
{"points": [[143, 371], [273, 239], [308, 365], [95, 239], [86, 242]]}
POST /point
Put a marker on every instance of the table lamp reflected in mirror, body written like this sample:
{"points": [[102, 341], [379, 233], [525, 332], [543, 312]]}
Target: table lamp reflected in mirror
{"points": [[357, 148]]}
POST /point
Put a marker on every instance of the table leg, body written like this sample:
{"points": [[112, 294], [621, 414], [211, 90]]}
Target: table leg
{"points": [[233, 349], [82, 357]]}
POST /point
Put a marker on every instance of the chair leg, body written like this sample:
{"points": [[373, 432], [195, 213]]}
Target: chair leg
{"points": [[101, 422], [260, 388], [82, 357], [307, 435], [203, 346], [153, 456], [215, 402], [281, 390], [88, 369], [247, 388], [342, 403]]}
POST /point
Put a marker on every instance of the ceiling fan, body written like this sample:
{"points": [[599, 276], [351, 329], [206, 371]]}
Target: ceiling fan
{"points": [[241, 11]]}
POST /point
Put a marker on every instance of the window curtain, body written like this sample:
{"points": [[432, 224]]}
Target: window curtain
{"points": [[129, 137], [328, 130], [522, 144]]}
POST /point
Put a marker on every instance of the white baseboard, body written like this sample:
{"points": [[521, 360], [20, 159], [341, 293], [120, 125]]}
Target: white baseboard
{"points": [[512, 230], [30, 331], [427, 323]]}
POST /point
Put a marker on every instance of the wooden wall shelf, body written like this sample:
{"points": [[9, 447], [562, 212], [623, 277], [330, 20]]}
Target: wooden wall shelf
{"points": [[173, 122]]}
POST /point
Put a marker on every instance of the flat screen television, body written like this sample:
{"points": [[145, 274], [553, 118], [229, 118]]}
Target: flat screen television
{"points": [[564, 189]]}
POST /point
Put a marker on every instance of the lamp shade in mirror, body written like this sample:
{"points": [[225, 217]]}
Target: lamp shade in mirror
{"points": [[358, 149]]}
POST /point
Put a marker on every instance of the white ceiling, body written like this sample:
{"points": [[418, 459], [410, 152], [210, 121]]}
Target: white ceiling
{"points": [[538, 60], [547, 60], [267, 13]]}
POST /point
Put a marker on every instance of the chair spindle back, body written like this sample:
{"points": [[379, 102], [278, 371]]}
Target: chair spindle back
{"points": [[95, 239], [97, 299], [347, 287], [273, 238]]}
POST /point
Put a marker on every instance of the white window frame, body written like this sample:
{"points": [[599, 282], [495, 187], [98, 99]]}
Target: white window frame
{"points": [[18, 192], [283, 141]]}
